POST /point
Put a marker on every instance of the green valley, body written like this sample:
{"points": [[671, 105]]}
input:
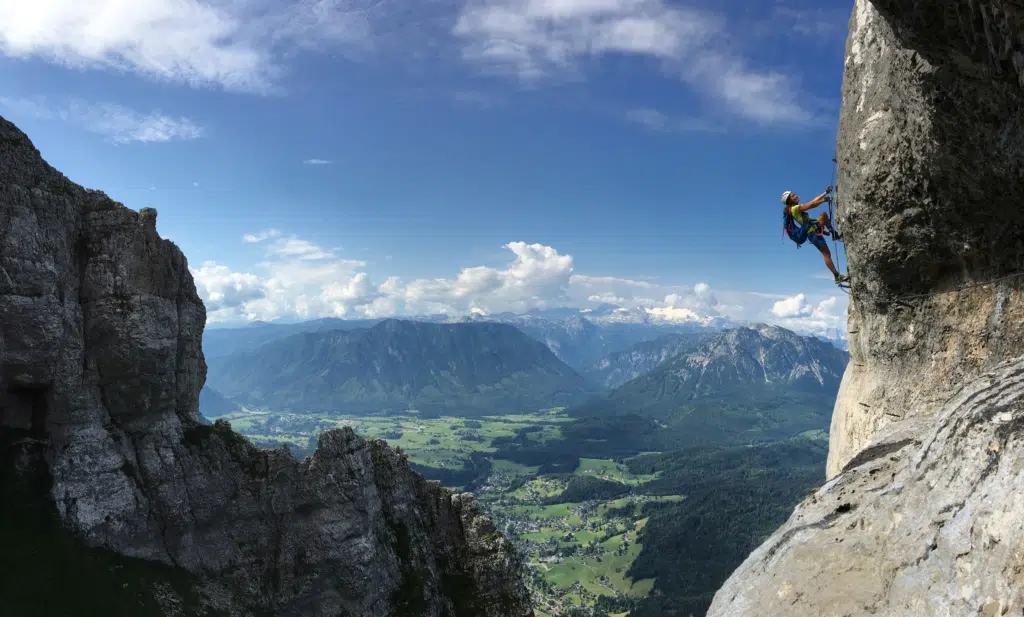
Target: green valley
{"points": [[592, 531]]}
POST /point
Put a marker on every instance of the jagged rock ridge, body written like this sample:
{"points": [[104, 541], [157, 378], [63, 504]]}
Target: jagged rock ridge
{"points": [[100, 336], [924, 512]]}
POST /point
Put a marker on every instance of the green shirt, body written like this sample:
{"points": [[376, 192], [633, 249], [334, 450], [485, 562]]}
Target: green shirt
{"points": [[801, 218]]}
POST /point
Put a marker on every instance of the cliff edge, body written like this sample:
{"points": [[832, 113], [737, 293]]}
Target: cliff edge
{"points": [[100, 371], [924, 510]]}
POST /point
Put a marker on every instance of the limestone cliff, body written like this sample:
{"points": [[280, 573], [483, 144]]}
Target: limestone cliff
{"points": [[100, 341], [924, 512], [931, 172]]}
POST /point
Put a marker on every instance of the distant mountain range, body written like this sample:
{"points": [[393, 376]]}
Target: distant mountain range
{"points": [[220, 342], [579, 341], [396, 365], [754, 383], [608, 346], [617, 368], [579, 337]]}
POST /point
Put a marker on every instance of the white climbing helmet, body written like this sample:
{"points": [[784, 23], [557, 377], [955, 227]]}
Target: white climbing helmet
{"points": [[785, 197]]}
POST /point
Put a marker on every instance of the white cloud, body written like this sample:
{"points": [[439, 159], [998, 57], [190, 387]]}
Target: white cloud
{"points": [[763, 97], [797, 313], [302, 279], [798, 306], [116, 123], [237, 45], [795, 306], [651, 118], [538, 39], [317, 162], [298, 278], [261, 236], [816, 23], [223, 289], [533, 38], [654, 120]]}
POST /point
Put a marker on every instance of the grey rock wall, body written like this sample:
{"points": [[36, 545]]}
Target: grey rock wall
{"points": [[931, 199]]}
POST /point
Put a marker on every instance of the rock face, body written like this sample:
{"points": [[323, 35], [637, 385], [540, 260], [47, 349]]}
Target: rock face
{"points": [[925, 522], [931, 172], [924, 513], [100, 339]]}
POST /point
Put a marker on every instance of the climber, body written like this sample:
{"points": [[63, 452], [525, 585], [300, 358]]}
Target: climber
{"points": [[801, 227]]}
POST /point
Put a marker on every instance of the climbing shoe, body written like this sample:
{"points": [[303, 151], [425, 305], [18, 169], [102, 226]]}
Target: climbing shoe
{"points": [[842, 278]]}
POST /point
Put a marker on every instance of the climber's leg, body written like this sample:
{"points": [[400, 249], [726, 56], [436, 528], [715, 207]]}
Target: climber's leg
{"points": [[826, 224], [819, 242]]}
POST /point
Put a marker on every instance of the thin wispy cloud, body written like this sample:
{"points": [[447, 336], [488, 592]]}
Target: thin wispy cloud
{"points": [[249, 45], [815, 23], [654, 120], [237, 45], [533, 41], [480, 100], [116, 123], [317, 162], [261, 236]]}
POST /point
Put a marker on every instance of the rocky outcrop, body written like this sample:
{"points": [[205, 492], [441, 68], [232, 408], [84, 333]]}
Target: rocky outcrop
{"points": [[100, 339], [923, 513], [931, 171], [926, 522]]}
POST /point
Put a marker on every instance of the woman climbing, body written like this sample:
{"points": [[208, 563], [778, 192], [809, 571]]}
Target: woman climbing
{"points": [[801, 227]]}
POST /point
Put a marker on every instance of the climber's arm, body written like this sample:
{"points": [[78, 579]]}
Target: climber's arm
{"points": [[814, 203]]}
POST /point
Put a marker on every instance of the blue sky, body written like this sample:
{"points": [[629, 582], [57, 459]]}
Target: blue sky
{"points": [[356, 158]]}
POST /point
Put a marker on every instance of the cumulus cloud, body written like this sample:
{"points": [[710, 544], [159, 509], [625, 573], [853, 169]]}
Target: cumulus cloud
{"points": [[223, 289], [536, 39], [298, 278], [799, 314], [116, 123], [795, 306]]}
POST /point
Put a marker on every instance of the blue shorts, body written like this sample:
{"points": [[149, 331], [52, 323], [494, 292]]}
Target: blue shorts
{"points": [[814, 237]]}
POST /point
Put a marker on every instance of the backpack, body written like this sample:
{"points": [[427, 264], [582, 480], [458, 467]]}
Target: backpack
{"points": [[797, 233]]}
